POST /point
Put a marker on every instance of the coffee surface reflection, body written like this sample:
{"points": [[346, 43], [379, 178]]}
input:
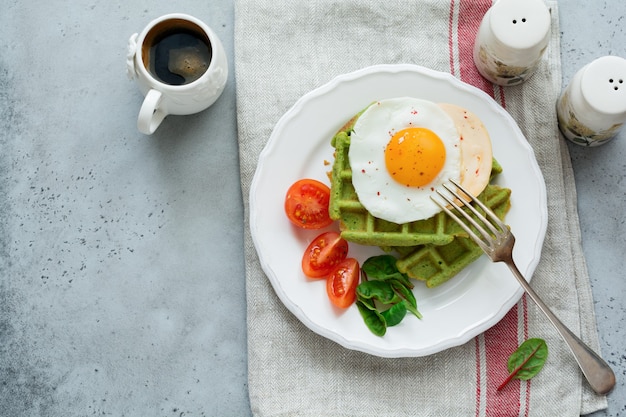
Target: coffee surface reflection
{"points": [[177, 55]]}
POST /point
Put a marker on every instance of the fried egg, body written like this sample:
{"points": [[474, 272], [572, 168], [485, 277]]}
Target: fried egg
{"points": [[403, 149]]}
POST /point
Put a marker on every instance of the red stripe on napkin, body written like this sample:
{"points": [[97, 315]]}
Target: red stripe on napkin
{"points": [[470, 14], [500, 342], [478, 376], [526, 399], [497, 344]]}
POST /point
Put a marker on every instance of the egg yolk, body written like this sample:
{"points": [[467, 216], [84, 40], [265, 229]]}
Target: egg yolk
{"points": [[414, 156]]}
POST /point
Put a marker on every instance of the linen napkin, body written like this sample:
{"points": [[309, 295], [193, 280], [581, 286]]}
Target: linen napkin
{"points": [[284, 49]]}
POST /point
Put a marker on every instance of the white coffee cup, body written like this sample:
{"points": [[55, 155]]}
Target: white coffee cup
{"points": [[180, 66]]}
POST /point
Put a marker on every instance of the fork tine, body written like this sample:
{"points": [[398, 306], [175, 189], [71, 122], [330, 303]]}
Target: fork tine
{"points": [[480, 242], [478, 215], [488, 212]]}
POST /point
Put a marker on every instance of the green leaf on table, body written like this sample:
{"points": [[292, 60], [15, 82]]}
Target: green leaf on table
{"points": [[526, 361]]}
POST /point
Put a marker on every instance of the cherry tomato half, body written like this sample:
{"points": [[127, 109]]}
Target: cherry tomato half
{"points": [[323, 254], [342, 282], [306, 204]]}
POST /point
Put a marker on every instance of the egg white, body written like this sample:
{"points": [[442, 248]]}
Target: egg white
{"points": [[380, 194]]}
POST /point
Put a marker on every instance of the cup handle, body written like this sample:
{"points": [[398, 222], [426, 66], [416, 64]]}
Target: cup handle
{"points": [[150, 114]]}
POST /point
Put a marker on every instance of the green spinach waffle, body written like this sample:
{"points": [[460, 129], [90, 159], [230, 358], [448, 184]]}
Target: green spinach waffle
{"points": [[431, 250]]}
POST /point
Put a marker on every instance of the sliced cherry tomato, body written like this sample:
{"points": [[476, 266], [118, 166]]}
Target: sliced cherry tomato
{"points": [[342, 282], [324, 254], [306, 204]]}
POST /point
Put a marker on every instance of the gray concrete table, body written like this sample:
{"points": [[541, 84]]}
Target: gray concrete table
{"points": [[91, 283]]}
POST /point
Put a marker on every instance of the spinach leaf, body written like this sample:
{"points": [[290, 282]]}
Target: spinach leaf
{"points": [[379, 267], [394, 314], [408, 296], [526, 361], [378, 290], [384, 295], [373, 319], [383, 267]]}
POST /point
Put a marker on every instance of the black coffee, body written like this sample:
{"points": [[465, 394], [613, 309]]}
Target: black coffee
{"points": [[178, 55]]}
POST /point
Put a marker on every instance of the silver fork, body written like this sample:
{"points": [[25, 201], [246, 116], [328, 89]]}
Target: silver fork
{"points": [[497, 242]]}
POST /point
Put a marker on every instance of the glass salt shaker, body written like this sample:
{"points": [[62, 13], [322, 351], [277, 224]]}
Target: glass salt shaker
{"points": [[592, 108], [511, 40]]}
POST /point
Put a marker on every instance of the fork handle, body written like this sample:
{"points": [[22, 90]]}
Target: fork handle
{"points": [[597, 372]]}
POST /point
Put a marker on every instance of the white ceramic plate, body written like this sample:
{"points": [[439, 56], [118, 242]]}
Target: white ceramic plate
{"points": [[454, 312]]}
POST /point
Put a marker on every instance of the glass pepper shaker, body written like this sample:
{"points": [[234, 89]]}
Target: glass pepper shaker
{"points": [[511, 40], [592, 108]]}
